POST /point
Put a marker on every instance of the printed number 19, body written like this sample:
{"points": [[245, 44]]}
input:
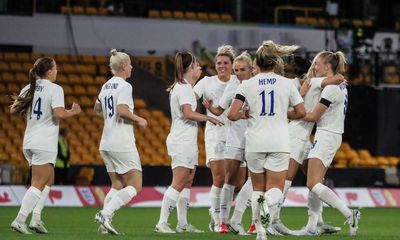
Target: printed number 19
{"points": [[109, 105], [271, 109]]}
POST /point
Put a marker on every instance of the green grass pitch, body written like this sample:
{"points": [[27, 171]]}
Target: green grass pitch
{"points": [[138, 223]]}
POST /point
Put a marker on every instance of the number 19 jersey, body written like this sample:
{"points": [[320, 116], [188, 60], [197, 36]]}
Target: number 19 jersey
{"points": [[117, 133], [42, 128], [269, 96]]}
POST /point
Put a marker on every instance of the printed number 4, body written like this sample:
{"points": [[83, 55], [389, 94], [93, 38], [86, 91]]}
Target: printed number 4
{"points": [[37, 108], [109, 105], [271, 109]]}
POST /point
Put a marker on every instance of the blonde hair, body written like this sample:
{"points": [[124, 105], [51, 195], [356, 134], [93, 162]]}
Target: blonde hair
{"points": [[183, 60], [226, 50], [245, 57], [269, 56], [116, 59], [337, 60]]}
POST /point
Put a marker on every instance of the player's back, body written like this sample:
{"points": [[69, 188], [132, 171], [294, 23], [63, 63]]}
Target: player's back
{"points": [[42, 127], [117, 133], [269, 96]]}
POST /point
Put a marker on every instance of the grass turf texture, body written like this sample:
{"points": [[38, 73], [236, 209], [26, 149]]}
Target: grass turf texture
{"points": [[138, 223]]}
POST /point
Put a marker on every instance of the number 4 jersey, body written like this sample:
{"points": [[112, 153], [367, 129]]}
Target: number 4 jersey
{"points": [[117, 133], [42, 128], [269, 96]]}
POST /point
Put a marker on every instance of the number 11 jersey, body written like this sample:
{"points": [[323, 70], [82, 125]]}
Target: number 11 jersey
{"points": [[269, 96], [117, 133]]}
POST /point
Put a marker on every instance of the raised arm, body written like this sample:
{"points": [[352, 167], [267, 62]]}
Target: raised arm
{"points": [[298, 112], [62, 113], [317, 113], [189, 114]]}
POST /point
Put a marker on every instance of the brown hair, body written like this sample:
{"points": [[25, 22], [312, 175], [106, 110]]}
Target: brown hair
{"points": [[183, 60], [39, 70]]}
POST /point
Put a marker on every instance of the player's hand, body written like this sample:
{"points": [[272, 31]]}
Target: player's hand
{"points": [[142, 122], [215, 121], [207, 103], [76, 109]]}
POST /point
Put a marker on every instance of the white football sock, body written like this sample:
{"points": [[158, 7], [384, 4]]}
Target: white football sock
{"points": [[243, 200], [255, 209], [121, 198], [226, 201], [109, 196], [29, 201], [274, 197], [215, 195], [182, 206], [37, 211], [168, 204], [328, 196], [277, 214], [314, 207]]}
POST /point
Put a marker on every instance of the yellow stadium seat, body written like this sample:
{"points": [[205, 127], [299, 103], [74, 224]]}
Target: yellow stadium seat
{"points": [[27, 66], [10, 56], [166, 14], [357, 22], [73, 78], [93, 90], [85, 176], [78, 10], [300, 20], [190, 15], [91, 11], [3, 88], [16, 66], [368, 23], [22, 77], [35, 56], [104, 69], [61, 78], [4, 66], [154, 13], [139, 103], [214, 17], [202, 16], [66, 10], [100, 80], [13, 88], [87, 79], [79, 89], [23, 57], [179, 15], [100, 59], [226, 17], [88, 59], [68, 68]]}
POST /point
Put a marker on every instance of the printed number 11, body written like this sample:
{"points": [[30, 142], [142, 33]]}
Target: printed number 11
{"points": [[271, 109]]}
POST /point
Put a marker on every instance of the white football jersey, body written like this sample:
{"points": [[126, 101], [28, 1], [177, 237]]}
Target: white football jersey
{"points": [[183, 131], [42, 127], [269, 96], [300, 128], [212, 88], [333, 118], [118, 133], [234, 129]]}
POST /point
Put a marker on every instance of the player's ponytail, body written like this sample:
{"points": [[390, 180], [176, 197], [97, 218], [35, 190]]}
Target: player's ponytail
{"points": [[183, 60], [23, 103], [269, 56]]}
